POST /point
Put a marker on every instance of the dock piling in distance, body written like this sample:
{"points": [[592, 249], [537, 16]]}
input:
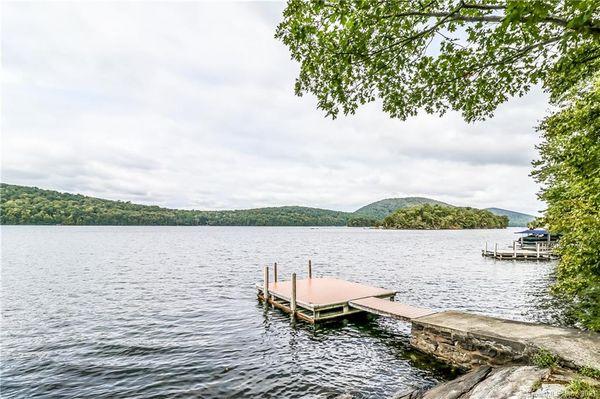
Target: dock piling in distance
{"points": [[275, 272], [495, 249], [266, 284], [514, 249], [293, 296], [537, 250], [309, 268]]}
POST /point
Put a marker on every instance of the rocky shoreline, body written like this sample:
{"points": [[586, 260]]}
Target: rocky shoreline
{"points": [[514, 382]]}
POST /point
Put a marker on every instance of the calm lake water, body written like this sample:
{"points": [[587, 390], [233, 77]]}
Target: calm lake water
{"points": [[111, 312]]}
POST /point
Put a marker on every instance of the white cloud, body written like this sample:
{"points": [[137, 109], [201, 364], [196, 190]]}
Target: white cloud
{"points": [[191, 105]]}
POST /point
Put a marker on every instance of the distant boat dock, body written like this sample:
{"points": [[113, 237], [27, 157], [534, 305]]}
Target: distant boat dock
{"points": [[458, 338], [541, 252], [537, 245]]}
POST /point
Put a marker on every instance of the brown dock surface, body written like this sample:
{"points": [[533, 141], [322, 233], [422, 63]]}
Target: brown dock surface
{"points": [[315, 293], [319, 299], [385, 307]]}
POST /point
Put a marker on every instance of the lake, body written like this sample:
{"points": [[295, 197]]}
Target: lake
{"points": [[140, 312]]}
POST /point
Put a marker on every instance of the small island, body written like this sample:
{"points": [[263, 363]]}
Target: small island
{"points": [[438, 217]]}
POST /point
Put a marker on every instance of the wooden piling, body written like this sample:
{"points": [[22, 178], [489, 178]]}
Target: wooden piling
{"points": [[309, 268], [486, 249], [514, 249], [495, 249], [293, 298], [275, 272], [266, 284], [537, 250]]}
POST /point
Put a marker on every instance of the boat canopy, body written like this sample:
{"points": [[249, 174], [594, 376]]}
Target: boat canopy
{"points": [[533, 231]]}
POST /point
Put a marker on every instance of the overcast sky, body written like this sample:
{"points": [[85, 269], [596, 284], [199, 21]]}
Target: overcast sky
{"points": [[191, 105]]}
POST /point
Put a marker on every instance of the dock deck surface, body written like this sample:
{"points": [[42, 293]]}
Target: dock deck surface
{"points": [[315, 293], [385, 307]]}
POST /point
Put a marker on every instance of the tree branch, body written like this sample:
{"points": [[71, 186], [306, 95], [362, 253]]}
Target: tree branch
{"points": [[483, 7], [592, 26]]}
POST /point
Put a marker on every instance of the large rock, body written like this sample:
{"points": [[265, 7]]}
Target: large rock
{"points": [[516, 382]]}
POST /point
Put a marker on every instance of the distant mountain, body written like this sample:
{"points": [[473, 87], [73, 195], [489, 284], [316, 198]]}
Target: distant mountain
{"points": [[515, 219], [380, 209]]}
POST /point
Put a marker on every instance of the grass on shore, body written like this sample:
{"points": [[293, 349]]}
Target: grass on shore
{"points": [[578, 389]]}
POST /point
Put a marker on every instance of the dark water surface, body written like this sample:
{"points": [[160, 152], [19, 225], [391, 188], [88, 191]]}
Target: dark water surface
{"points": [[114, 312]]}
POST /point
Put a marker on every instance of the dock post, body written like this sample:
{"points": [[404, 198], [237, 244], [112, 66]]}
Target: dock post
{"points": [[309, 268], [293, 298], [495, 249], [266, 285], [486, 247], [275, 272], [514, 249], [537, 250]]}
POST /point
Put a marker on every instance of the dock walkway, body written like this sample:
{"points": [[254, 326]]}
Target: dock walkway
{"points": [[389, 308]]}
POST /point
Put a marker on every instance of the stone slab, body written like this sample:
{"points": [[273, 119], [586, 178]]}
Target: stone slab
{"points": [[574, 348]]}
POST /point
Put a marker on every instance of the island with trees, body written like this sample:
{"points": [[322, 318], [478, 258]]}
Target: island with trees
{"points": [[437, 217]]}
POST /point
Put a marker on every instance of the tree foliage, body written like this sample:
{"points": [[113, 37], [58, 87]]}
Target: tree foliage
{"points": [[438, 55], [443, 217], [569, 169]]}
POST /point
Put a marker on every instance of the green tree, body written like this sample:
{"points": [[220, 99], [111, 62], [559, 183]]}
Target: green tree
{"points": [[470, 56], [569, 169], [437, 55]]}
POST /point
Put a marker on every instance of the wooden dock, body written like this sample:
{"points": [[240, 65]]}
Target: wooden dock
{"points": [[540, 252], [322, 299]]}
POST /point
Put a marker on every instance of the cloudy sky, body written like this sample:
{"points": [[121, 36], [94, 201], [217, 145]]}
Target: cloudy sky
{"points": [[191, 105]]}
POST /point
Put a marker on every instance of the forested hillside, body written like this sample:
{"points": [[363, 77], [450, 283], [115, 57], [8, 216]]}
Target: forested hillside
{"points": [[515, 219], [380, 209], [30, 205], [375, 212]]}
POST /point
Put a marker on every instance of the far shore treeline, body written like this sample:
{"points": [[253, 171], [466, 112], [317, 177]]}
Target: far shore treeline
{"points": [[33, 206]]}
